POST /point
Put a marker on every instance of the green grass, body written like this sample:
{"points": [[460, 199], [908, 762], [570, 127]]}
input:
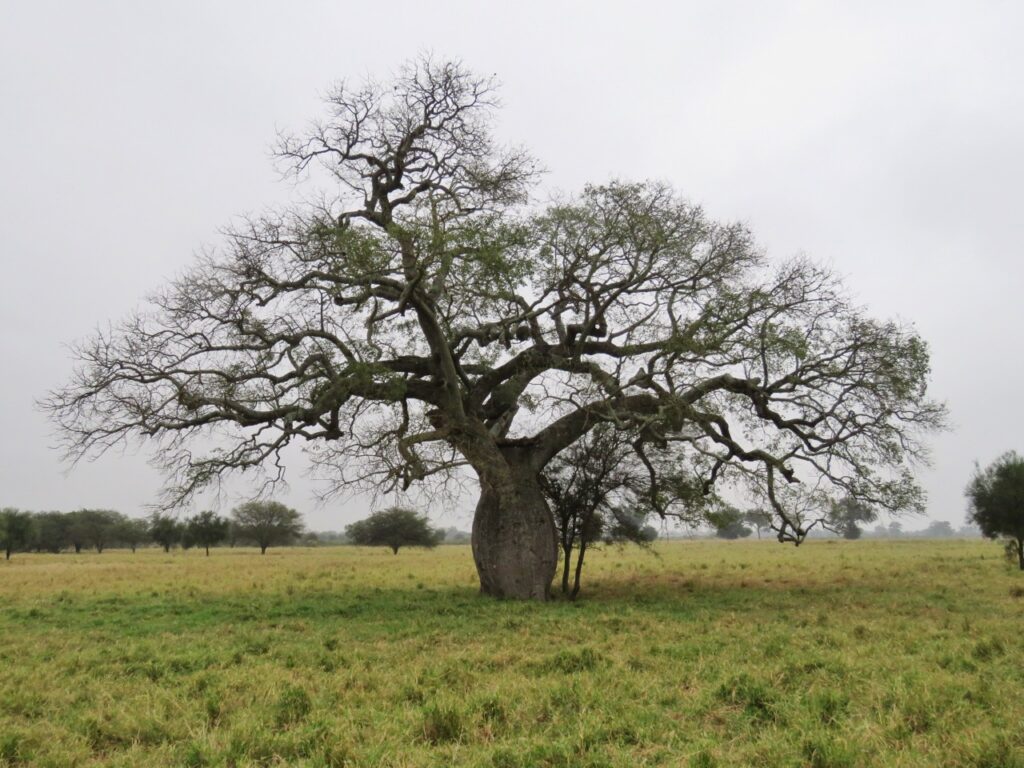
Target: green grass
{"points": [[703, 654]]}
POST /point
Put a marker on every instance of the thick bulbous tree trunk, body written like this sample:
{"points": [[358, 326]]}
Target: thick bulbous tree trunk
{"points": [[514, 541]]}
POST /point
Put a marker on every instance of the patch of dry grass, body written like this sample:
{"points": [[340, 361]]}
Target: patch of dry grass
{"points": [[703, 654]]}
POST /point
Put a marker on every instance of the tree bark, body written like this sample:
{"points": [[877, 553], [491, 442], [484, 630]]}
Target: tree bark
{"points": [[1020, 553], [514, 541]]}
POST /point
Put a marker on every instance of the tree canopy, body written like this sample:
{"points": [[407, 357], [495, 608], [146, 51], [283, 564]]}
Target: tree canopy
{"points": [[420, 312], [995, 497], [846, 515], [395, 527], [164, 530], [132, 532], [15, 530], [758, 519], [729, 522], [51, 531], [94, 528], [206, 530], [267, 523]]}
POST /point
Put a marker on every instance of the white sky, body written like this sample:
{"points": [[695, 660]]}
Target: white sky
{"points": [[884, 139]]}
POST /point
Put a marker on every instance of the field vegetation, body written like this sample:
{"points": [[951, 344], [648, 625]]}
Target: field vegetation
{"points": [[863, 653]]}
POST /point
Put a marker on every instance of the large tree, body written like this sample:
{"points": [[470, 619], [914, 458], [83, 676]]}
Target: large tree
{"points": [[418, 313], [995, 497]]}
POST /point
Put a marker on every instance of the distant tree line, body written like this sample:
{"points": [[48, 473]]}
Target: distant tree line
{"points": [[841, 518], [98, 529], [258, 523], [844, 520], [936, 529], [262, 524]]}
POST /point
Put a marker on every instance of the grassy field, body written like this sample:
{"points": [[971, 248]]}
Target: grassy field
{"points": [[701, 654]]}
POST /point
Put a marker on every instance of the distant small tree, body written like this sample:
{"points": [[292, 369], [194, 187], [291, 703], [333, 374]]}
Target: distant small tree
{"points": [[77, 530], [268, 523], [330, 538], [132, 531], [51, 532], [939, 529], [758, 519], [728, 522], [395, 527], [995, 497], [165, 531], [234, 534], [92, 528], [453, 535], [99, 526], [846, 515], [968, 530], [15, 530], [206, 530], [626, 526]]}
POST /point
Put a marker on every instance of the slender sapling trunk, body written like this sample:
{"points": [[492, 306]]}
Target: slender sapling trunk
{"points": [[579, 569]]}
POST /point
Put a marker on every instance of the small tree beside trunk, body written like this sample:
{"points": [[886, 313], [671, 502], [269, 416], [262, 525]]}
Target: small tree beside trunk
{"points": [[591, 492]]}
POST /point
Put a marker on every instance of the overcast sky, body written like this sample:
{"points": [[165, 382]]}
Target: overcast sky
{"points": [[885, 141]]}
